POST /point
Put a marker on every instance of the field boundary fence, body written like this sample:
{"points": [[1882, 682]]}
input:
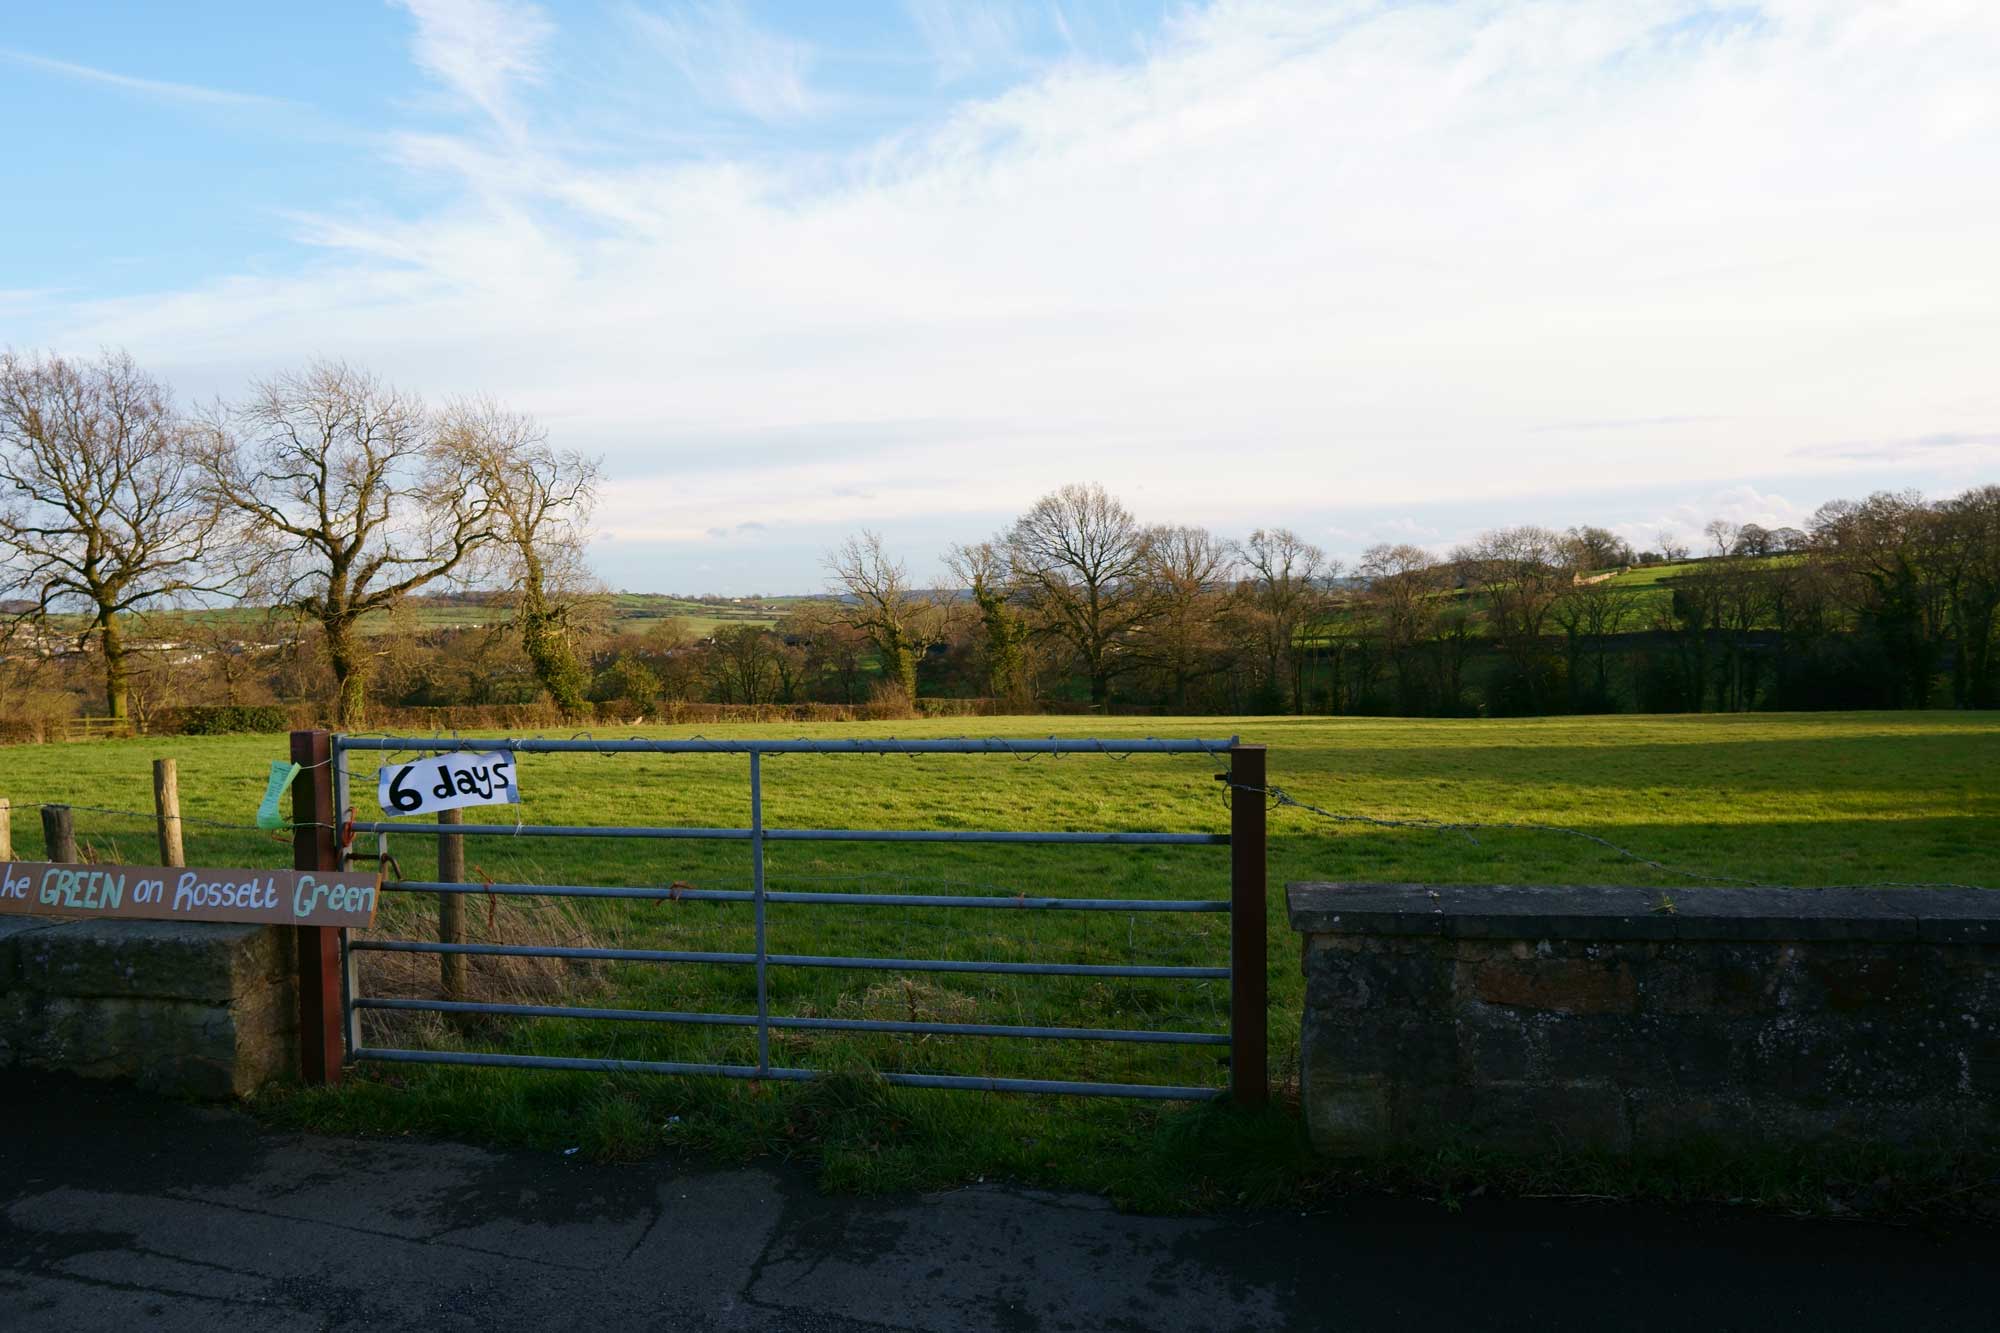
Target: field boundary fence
{"points": [[332, 1002]]}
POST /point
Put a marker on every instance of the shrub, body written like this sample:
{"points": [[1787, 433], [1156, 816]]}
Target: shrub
{"points": [[221, 719]]}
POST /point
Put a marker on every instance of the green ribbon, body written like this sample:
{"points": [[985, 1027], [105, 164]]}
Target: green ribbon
{"points": [[281, 782]]}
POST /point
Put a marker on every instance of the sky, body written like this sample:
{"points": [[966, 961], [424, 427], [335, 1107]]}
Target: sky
{"points": [[1373, 270]]}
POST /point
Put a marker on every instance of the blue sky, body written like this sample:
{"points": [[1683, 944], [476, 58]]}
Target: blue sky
{"points": [[1374, 270]]}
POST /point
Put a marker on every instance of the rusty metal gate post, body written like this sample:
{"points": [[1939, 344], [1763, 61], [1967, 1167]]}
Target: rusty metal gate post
{"points": [[316, 846], [1249, 1059]]}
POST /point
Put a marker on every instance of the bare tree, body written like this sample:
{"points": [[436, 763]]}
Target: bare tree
{"points": [[835, 652], [1972, 524], [1188, 572], [1722, 536], [880, 603], [1743, 604], [1592, 549], [1754, 539], [1079, 556], [539, 499], [984, 572], [1405, 590], [1894, 565], [745, 665], [1287, 574], [101, 510], [353, 498], [1590, 615], [1520, 572]]}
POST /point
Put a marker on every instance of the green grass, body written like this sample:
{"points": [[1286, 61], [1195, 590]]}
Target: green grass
{"points": [[636, 612], [629, 613], [1807, 799]]}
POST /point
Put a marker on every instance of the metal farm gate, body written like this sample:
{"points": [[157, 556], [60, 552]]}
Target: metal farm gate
{"points": [[331, 1005]]}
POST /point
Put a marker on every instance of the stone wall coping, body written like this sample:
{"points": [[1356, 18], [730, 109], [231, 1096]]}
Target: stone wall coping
{"points": [[1506, 911], [205, 961]]}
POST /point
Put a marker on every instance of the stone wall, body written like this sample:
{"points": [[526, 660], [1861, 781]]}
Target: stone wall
{"points": [[191, 1008], [1629, 1019]]}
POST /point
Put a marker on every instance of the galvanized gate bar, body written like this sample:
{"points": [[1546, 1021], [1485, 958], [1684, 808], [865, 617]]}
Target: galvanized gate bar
{"points": [[887, 745], [795, 960], [548, 830], [670, 894], [560, 1011], [552, 951], [789, 834], [965, 1082], [585, 1012]]}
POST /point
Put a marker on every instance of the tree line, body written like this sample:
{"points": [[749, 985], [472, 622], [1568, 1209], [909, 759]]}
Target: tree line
{"points": [[328, 498], [323, 493], [1887, 602]]}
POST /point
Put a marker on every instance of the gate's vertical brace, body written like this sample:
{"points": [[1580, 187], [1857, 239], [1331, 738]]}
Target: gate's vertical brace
{"points": [[316, 846], [757, 887], [1249, 1060]]}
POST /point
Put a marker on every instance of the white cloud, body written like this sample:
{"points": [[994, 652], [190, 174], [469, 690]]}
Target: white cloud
{"points": [[1324, 257], [1736, 505], [967, 36], [731, 62], [186, 93], [482, 50]]}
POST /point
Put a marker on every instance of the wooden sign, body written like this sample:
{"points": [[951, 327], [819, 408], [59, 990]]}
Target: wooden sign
{"points": [[171, 893], [448, 782]]}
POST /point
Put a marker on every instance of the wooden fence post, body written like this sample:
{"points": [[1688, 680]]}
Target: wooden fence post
{"points": [[451, 906], [167, 804], [6, 829], [316, 846], [1249, 961], [59, 833]]}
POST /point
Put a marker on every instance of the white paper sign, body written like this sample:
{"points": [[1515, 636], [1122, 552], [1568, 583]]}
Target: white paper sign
{"points": [[448, 782]]}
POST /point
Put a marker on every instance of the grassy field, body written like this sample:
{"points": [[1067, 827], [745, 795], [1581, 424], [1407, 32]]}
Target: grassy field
{"points": [[627, 613], [1804, 799]]}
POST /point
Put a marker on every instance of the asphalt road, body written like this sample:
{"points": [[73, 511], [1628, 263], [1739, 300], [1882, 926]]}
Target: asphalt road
{"points": [[120, 1211]]}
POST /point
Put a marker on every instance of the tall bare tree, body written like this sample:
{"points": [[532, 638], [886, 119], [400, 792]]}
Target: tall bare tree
{"points": [[1405, 589], [746, 664], [354, 499], [1591, 549], [1287, 574], [983, 570], [1971, 522], [1189, 572], [835, 652], [1893, 560], [539, 499], [1079, 557], [1520, 572], [101, 510], [901, 624], [1590, 614]]}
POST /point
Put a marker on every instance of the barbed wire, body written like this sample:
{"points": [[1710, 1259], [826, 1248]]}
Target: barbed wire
{"points": [[152, 816]]}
